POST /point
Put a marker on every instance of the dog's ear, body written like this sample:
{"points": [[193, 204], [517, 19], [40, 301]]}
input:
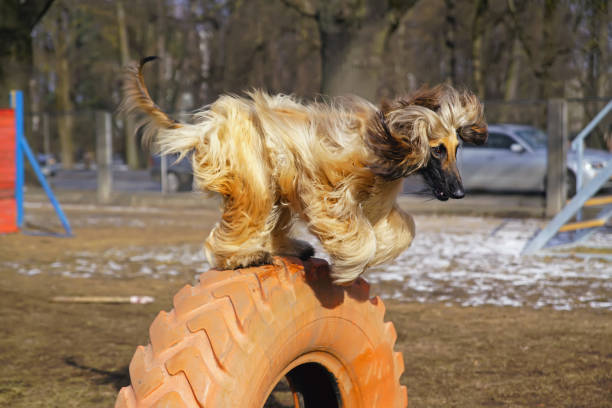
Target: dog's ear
{"points": [[425, 96], [385, 105], [399, 140], [476, 133]]}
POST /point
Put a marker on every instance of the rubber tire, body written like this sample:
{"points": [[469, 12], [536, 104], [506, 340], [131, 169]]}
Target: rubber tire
{"points": [[231, 338]]}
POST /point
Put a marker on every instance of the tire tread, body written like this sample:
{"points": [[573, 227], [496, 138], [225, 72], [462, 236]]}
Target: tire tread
{"points": [[190, 345]]}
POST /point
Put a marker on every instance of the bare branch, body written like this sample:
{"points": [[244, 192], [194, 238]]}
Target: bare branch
{"points": [[304, 7]]}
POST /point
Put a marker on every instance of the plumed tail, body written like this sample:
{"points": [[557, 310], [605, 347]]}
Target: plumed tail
{"points": [[156, 125]]}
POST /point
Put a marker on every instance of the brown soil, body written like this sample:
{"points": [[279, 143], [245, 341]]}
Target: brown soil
{"points": [[76, 355]]}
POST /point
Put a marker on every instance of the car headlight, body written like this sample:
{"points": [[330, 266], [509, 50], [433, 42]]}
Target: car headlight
{"points": [[594, 165]]}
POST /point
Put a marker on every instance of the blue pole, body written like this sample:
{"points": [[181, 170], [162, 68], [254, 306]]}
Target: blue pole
{"points": [[17, 105], [24, 148], [45, 185]]}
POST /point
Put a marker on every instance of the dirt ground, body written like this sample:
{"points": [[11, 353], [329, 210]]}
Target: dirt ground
{"points": [[76, 355]]}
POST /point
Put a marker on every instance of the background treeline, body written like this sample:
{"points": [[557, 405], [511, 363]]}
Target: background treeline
{"points": [[515, 54]]}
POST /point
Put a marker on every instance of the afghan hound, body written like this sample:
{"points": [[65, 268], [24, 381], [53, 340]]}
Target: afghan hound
{"points": [[336, 165]]}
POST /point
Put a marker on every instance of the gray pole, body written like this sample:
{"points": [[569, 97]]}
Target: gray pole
{"points": [[556, 172], [104, 155], [46, 136], [164, 173]]}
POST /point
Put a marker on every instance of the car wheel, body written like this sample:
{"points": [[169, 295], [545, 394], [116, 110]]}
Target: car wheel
{"points": [[186, 182], [173, 182], [570, 184]]}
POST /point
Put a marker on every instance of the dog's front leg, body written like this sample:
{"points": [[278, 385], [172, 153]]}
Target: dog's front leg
{"points": [[394, 233], [349, 239]]}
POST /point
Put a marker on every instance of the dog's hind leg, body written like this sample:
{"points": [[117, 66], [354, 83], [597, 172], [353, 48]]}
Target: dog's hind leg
{"points": [[394, 233]]}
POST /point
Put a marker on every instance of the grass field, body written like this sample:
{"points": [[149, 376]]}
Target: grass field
{"points": [[76, 355]]}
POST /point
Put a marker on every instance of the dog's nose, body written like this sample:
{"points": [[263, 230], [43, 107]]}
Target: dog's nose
{"points": [[458, 192]]}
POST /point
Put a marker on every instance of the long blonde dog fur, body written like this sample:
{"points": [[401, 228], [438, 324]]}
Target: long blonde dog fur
{"points": [[338, 166]]}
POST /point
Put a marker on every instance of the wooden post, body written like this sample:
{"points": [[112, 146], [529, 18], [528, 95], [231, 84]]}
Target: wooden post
{"points": [[556, 172], [104, 155]]}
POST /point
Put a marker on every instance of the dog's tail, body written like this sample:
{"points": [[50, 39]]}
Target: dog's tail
{"points": [[168, 135]]}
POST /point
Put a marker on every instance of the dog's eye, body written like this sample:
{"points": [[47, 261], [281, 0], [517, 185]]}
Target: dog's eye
{"points": [[438, 150]]}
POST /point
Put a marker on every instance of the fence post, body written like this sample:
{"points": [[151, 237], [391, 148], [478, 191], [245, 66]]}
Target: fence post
{"points": [[104, 155], [556, 168]]}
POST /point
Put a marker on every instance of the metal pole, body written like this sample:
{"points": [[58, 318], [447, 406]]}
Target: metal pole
{"points": [[585, 132], [43, 182], [17, 104], [104, 152], [578, 145], [164, 173], [557, 156], [579, 174], [540, 240]]}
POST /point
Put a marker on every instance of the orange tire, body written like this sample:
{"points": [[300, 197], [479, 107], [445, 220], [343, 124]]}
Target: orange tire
{"points": [[233, 337]]}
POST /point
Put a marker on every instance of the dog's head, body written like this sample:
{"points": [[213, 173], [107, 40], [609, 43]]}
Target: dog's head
{"points": [[422, 133]]}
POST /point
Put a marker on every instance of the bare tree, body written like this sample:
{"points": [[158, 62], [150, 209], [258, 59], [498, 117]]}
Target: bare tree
{"points": [[129, 128], [450, 41], [354, 35], [478, 30], [17, 20], [62, 43], [542, 29]]}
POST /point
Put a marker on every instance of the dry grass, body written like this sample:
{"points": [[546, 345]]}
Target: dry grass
{"points": [[510, 357]]}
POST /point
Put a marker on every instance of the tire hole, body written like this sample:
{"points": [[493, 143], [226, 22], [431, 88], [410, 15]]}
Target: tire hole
{"points": [[308, 385]]}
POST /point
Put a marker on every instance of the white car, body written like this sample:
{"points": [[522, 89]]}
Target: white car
{"points": [[514, 160]]}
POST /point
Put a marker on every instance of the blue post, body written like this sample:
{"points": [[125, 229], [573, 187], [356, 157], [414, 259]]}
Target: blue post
{"points": [[23, 147], [17, 105], [45, 185]]}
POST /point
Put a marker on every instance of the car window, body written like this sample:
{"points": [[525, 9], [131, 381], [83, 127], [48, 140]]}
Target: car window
{"points": [[535, 138], [499, 141]]}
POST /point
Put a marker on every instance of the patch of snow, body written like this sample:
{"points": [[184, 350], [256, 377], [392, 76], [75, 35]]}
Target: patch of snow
{"points": [[469, 261]]}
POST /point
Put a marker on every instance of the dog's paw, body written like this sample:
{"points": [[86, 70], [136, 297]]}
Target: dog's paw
{"points": [[253, 259], [303, 249], [297, 248]]}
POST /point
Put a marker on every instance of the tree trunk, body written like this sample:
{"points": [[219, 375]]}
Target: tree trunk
{"points": [[129, 129], [354, 37], [161, 51], [548, 53], [65, 107], [511, 80], [64, 102], [17, 19], [352, 62], [603, 75], [478, 29], [449, 40], [511, 83]]}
